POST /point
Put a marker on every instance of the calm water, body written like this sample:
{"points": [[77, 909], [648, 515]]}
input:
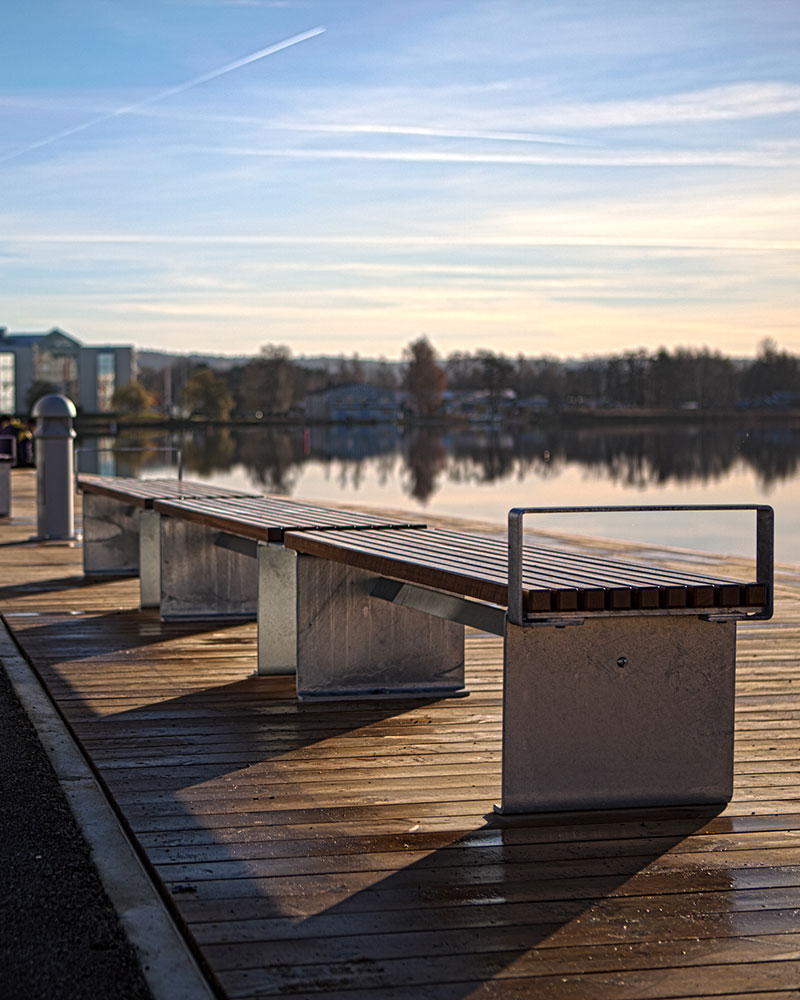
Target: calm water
{"points": [[481, 474]]}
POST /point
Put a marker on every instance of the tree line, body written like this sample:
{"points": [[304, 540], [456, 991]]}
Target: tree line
{"points": [[273, 383]]}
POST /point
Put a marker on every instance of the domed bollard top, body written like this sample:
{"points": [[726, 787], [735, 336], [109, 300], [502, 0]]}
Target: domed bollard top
{"points": [[57, 408], [54, 437]]}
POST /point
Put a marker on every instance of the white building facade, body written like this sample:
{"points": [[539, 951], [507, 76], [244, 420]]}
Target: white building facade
{"points": [[87, 375]]}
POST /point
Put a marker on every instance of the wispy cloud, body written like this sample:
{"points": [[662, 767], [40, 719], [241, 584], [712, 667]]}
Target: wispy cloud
{"points": [[551, 238], [729, 103], [163, 95], [733, 102], [771, 155]]}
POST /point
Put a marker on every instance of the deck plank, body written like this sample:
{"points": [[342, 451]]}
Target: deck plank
{"points": [[352, 853]]}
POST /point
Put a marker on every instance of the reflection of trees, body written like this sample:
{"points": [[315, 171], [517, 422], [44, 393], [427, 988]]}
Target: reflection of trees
{"points": [[351, 474], [637, 457], [210, 451], [134, 451], [268, 455], [656, 456], [774, 452], [481, 456], [425, 458]]}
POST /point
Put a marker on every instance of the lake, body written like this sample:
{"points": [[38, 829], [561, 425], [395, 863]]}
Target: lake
{"points": [[480, 473]]}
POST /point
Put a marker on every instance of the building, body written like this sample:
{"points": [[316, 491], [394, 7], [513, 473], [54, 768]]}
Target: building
{"points": [[88, 375], [346, 403]]}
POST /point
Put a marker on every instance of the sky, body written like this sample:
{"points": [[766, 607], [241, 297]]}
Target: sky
{"points": [[539, 177]]}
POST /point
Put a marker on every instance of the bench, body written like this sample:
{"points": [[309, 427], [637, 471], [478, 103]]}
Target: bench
{"points": [[618, 680], [120, 533], [618, 685]]}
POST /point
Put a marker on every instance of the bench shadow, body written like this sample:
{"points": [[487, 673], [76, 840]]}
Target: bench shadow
{"points": [[58, 583], [524, 902], [417, 905], [110, 632], [382, 892]]}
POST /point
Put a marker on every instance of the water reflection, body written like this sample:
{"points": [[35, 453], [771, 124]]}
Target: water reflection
{"points": [[631, 456], [426, 460]]}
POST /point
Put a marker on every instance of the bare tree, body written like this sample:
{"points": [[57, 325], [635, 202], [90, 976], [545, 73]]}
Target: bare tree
{"points": [[426, 380]]}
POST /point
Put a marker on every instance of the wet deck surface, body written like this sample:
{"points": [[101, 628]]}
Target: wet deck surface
{"points": [[350, 850]]}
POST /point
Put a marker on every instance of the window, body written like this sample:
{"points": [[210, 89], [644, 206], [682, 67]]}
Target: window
{"points": [[7, 384], [106, 381], [58, 366]]}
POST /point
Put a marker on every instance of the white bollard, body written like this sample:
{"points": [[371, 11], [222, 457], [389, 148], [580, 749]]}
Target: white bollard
{"points": [[54, 437]]}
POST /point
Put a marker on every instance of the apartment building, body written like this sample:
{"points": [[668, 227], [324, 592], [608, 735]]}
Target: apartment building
{"points": [[88, 375]]}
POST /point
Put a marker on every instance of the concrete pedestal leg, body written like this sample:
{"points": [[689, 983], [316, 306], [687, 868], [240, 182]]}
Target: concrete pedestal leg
{"points": [[277, 609], [110, 537], [149, 559], [618, 712], [351, 645], [200, 577]]}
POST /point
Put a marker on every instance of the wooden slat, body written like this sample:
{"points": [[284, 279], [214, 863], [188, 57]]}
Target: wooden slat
{"points": [[268, 518], [477, 567], [142, 492]]}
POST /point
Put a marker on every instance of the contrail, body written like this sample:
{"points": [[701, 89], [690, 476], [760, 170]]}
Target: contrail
{"points": [[162, 95]]}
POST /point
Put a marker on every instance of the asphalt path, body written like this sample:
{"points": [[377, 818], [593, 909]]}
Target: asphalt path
{"points": [[60, 937]]}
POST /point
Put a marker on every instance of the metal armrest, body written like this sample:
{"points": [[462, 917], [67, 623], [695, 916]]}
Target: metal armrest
{"points": [[765, 545]]}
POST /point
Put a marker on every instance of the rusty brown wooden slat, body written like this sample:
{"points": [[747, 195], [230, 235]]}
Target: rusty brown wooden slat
{"points": [[268, 518], [142, 492], [477, 568], [423, 869], [573, 566]]}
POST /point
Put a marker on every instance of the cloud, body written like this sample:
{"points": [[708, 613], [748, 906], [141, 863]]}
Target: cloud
{"points": [[164, 94], [766, 155], [729, 103]]}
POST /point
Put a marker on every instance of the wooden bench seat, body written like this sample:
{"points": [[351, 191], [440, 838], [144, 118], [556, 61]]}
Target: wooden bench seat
{"points": [[122, 536], [208, 557], [554, 581]]}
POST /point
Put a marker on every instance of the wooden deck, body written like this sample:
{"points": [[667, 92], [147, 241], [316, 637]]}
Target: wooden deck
{"points": [[350, 851]]}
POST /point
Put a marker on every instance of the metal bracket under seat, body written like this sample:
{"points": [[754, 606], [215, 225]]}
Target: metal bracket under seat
{"points": [[485, 617]]}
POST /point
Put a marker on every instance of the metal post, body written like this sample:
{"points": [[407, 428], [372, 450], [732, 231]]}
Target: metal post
{"points": [[54, 436]]}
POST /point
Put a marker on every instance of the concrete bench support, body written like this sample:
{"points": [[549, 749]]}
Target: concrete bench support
{"points": [[277, 609], [348, 644], [617, 712], [110, 537], [149, 559], [201, 577]]}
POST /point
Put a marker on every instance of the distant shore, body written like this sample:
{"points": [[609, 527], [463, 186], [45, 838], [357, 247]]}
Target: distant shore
{"points": [[572, 416]]}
